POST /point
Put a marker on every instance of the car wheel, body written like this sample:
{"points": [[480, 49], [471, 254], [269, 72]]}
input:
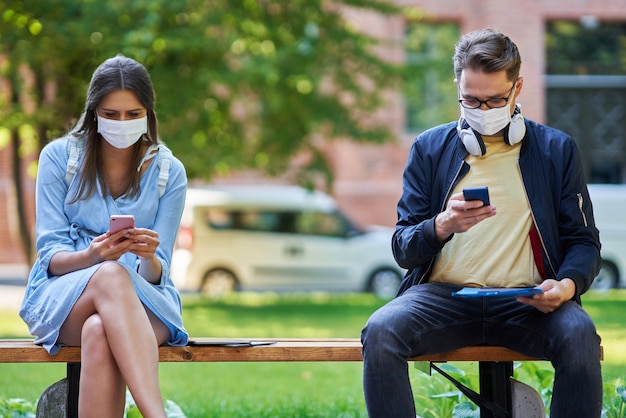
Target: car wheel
{"points": [[385, 283], [218, 283], [607, 278]]}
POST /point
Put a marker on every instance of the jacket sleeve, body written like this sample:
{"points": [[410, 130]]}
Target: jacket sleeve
{"points": [[414, 242], [578, 234]]}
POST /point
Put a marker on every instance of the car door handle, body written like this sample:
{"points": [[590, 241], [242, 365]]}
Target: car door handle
{"points": [[294, 250]]}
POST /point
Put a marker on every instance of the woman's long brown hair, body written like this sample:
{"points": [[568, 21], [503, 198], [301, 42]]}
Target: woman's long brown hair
{"points": [[117, 73]]}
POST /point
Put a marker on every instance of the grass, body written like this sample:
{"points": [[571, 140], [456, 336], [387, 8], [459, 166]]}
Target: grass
{"points": [[607, 311], [283, 389]]}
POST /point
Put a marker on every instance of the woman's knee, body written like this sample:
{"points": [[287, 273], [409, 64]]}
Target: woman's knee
{"points": [[111, 277], [94, 339]]}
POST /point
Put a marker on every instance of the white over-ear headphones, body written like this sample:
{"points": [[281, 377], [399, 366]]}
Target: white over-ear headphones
{"points": [[474, 143]]}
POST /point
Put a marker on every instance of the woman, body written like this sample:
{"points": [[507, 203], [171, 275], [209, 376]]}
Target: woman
{"points": [[110, 293]]}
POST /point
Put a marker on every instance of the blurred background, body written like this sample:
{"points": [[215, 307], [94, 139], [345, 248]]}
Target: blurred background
{"points": [[324, 95]]}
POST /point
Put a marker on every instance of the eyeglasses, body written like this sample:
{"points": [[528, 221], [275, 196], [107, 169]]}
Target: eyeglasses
{"points": [[492, 103]]}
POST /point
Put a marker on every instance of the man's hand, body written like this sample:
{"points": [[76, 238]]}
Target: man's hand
{"points": [[460, 215], [555, 293]]}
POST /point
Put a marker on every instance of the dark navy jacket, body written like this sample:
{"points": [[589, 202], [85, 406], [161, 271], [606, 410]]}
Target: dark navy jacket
{"points": [[555, 186]]}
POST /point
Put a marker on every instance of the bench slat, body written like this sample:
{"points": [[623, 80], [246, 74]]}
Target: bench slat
{"points": [[339, 349]]}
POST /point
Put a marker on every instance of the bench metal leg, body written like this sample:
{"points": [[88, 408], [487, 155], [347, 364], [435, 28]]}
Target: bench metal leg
{"points": [[495, 385], [494, 399], [73, 383]]}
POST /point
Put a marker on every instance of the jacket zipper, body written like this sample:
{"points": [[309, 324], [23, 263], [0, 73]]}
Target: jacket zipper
{"points": [[580, 207]]}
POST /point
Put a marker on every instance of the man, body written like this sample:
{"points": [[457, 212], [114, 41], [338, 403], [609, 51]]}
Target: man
{"points": [[543, 234]]}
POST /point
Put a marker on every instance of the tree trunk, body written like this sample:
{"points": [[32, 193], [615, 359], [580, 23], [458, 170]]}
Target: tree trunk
{"points": [[22, 216]]}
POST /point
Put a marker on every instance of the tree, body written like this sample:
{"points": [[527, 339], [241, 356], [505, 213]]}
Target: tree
{"points": [[240, 85]]}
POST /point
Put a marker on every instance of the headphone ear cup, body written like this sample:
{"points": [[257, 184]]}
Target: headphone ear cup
{"points": [[472, 140], [516, 131]]}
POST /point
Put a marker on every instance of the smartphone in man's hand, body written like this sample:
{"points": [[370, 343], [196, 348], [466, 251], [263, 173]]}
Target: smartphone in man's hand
{"points": [[477, 193]]}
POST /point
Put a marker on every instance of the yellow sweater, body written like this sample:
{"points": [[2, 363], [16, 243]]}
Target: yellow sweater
{"points": [[496, 251]]}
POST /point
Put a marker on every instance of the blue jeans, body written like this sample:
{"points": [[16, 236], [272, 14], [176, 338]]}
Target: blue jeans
{"points": [[426, 319]]}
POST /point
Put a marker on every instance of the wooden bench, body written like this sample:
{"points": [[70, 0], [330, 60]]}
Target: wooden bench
{"points": [[495, 363]]}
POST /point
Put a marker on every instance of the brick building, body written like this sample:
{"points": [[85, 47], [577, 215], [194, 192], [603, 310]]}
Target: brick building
{"points": [[368, 178]]}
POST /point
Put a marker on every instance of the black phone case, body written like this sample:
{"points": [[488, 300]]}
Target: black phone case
{"points": [[477, 193]]}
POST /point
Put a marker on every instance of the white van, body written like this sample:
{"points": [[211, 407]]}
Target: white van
{"points": [[279, 238], [609, 209]]}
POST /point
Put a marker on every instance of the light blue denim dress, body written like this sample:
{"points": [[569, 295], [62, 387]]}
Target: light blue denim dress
{"points": [[63, 226]]}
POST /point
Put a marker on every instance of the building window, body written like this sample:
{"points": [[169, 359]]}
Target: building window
{"points": [[430, 93], [586, 92], [586, 47]]}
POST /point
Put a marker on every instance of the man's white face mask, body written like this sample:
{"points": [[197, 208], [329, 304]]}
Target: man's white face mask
{"points": [[487, 122], [122, 133]]}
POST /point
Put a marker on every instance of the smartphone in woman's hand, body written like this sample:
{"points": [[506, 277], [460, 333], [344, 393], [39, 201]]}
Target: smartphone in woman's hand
{"points": [[120, 222]]}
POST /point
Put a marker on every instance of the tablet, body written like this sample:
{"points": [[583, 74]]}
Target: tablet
{"points": [[229, 342], [498, 292]]}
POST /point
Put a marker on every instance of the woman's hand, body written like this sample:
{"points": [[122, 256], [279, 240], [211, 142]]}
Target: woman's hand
{"points": [[105, 247], [144, 242]]}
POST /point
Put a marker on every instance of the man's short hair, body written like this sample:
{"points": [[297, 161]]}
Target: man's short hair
{"points": [[488, 51]]}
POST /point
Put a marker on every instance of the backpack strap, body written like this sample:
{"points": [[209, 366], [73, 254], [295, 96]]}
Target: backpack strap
{"points": [[74, 151], [165, 163]]}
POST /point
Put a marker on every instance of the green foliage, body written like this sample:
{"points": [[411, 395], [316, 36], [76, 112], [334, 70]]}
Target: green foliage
{"points": [[16, 408], [614, 405], [20, 408], [437, 397], [430, 93], [240, 85], [132, 411], [586, 47]]}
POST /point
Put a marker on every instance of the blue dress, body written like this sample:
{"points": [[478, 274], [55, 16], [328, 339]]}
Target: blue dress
{"points": [[63, 226]]}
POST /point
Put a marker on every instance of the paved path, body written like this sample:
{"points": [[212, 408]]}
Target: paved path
{"points": [[12, 282], [11, 297]]}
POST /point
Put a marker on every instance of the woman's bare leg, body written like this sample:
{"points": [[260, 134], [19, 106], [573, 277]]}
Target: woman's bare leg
{"points": [[102, 387], [127, 343]]}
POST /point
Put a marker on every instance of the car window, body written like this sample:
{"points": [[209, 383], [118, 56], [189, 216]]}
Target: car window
{"points": [[266, 221], [308, 222], [250, 220], [218, 218], [321, 223]]}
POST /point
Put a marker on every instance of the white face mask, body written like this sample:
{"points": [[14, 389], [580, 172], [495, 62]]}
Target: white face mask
{"points": [[122, 133], [487, 122]]}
